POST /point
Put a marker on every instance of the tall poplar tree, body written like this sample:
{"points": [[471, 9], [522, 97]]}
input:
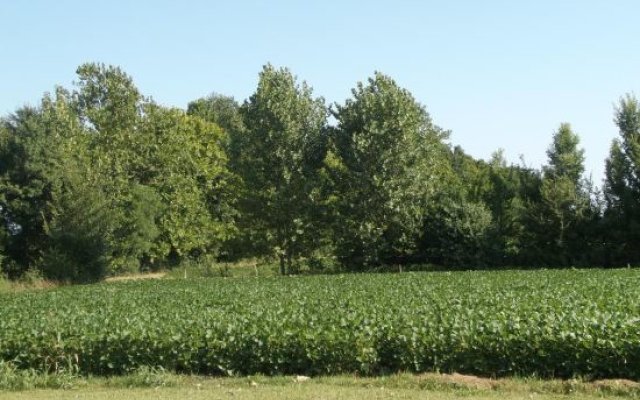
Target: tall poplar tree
{"points": [[388, 161], [565, 202], [278, 159], [622, 186]]}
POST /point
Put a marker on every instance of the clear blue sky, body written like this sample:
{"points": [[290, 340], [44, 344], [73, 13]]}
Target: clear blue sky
{"points": [[498, 74]]}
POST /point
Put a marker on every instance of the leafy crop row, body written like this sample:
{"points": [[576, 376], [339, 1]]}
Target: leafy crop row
{"points": [[547, 323]]}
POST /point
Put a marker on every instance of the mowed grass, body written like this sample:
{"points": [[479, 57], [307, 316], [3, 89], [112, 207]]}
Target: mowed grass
{"points": [[403, 386], [571, 323]]}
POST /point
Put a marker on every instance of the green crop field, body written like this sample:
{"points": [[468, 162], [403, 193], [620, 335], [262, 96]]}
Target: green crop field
{"points": [[545, 323]]}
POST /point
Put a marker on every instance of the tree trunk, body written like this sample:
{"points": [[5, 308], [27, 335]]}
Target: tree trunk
{"points": [[283, 268], [289, 262]]}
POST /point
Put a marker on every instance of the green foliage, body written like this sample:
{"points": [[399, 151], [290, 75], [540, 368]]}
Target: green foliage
{"points": [[278, 158], [46, 155], [508, 192], [12, 378], [221, 110], [2, 257], [187, 167], [622, 187], [472, 177], [458, 226], [618, 174], [387, 161], [108, 100], [137, 228], [511, 190], [544, 323], [456, 232], [224, 112], [627, 119], [560, 217], [102, 181], [178, 159], [565, 158], [78, 234]]}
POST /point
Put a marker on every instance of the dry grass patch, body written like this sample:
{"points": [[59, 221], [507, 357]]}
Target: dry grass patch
{"points": [[136, 277], [157, 385], [616, 383], [466, 381], [9, 286]]}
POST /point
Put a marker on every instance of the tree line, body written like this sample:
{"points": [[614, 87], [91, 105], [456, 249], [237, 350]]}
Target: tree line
{"points": [[100, 180]]}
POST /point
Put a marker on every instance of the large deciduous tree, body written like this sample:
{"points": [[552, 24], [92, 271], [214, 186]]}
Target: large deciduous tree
{"points": [[164, 166], [53, 194], [387, 160], [278, 158], [186, 165], [110, 107]]}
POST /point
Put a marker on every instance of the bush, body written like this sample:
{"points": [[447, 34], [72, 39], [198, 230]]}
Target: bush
{"points": [[134, 236], [455, 233], [78, 246]]}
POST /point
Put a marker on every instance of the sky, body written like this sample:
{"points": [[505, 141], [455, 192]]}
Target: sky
{"points": [[497, 74]]}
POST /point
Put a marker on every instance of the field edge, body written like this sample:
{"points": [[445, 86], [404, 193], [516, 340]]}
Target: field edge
{"points": [[459, 384]]}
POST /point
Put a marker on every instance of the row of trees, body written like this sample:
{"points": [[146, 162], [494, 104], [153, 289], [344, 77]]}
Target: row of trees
{"points": [[101, 180]]}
